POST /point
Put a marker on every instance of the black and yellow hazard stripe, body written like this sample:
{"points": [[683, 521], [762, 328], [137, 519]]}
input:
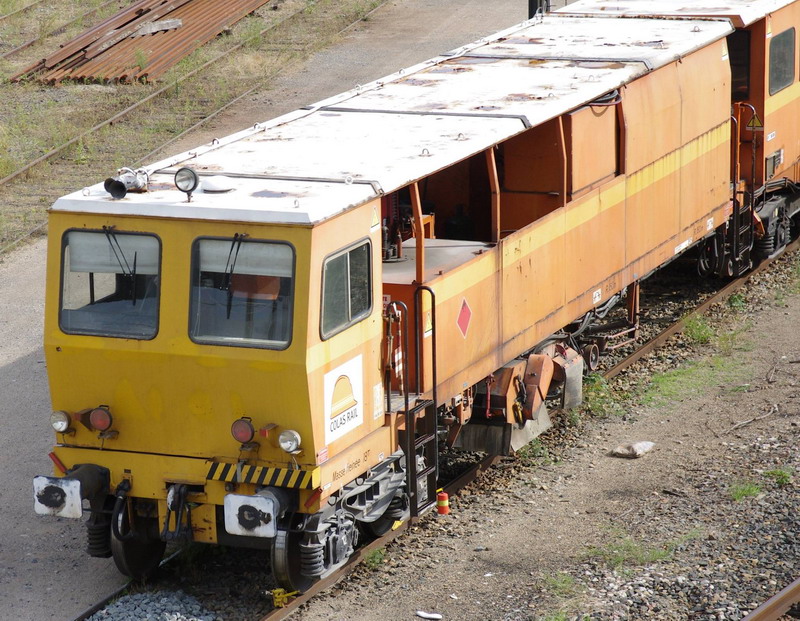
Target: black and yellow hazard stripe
{"points": [[260, 475]]}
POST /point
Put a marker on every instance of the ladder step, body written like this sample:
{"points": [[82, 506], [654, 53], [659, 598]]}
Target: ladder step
{"points": [[422, 440], [426, 471]]}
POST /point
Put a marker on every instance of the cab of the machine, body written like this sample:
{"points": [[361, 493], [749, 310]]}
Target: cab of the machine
{"points": [[197, 332]]}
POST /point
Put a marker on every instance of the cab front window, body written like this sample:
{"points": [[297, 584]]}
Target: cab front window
{"points": [[242, 292], [110, 284]]}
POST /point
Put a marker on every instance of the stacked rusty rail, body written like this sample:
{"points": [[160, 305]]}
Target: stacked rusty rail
{"points": [[140, 43]]}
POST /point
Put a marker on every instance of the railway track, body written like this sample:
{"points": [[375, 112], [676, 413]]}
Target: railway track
{"points": [[777, 606]]}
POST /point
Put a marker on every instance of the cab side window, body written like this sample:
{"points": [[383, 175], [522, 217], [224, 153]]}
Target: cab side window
{"points": [[781, 61], [346, 288]]}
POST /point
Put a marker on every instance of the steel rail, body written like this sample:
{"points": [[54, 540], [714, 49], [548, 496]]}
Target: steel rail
{"points": [[133, 107], [778, 605], [720, 296]]}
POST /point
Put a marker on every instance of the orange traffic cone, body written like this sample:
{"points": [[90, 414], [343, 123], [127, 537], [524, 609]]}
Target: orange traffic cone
{"points": [[442, 503]]}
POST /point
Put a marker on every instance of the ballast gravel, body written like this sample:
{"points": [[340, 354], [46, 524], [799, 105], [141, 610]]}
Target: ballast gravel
{"points": [[155, 606]]}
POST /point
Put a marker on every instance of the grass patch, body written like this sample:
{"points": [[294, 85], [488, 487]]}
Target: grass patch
{"points": [[375, 559], [535, 452], [598, 398], [624, 551], [744, 489], [780, 476], [691, 379], [737, 302], [555, 616], [561, 584], [697, 330], [734, 340]]}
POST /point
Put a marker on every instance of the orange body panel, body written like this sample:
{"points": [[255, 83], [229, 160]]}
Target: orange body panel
{"points": [[554, 263], [781, 125]]}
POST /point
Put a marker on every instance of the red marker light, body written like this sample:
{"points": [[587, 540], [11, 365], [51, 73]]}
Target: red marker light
{"points": [[242, 430], [100, 419]]}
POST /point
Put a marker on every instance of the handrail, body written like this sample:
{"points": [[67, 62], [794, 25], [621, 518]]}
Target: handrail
{"points": [[411, 455], [420, 335]]}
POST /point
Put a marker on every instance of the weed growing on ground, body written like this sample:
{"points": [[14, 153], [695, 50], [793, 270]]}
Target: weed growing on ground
{"points": [[560, 584], [691, 379], [737, 302], [744, 489], [697, 329], [555, 616], [780, 476], [598, 398], [734, 340], [535, 452], [623, 550], [375, 559], [140, 58]]}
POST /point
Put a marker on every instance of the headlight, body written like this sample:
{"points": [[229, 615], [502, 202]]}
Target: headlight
{"points": [[186, 180], [289, 441], [60, 421]]}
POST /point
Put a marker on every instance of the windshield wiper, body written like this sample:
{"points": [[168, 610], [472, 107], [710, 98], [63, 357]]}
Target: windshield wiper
{"points": [[119, 255], [230, 266]]}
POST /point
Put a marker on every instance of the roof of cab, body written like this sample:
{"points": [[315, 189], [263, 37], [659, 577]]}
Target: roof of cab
{"points": [[741, 12], [312, 164]]}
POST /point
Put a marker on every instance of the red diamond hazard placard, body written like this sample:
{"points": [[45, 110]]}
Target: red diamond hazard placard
{"points": [[464, 316]]}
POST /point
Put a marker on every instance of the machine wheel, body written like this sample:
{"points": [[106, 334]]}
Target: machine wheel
{"points": [[138, 556], [286, 562], [706, 260]]}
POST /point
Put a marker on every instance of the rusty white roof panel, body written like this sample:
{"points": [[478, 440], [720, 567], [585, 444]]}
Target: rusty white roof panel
{"points": [[312, 164], [654, 43], [389, 149], [740, 12], [250, 200], [536, 91]]}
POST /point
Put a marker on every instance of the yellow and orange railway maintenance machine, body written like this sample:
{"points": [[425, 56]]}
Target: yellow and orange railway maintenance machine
{"points": [[765, 91], [258, 342]]}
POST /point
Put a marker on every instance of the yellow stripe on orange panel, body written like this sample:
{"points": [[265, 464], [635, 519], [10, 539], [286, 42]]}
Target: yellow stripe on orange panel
{"points": [[672, 162], [584, 211], [782, 99]]}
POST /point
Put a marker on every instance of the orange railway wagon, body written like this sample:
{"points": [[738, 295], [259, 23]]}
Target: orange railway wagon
{"points": [[262, 341], [763, 53]]}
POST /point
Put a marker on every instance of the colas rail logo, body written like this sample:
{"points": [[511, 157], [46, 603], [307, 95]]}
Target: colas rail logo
{"points": [[344, 399], [344, 407]]}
